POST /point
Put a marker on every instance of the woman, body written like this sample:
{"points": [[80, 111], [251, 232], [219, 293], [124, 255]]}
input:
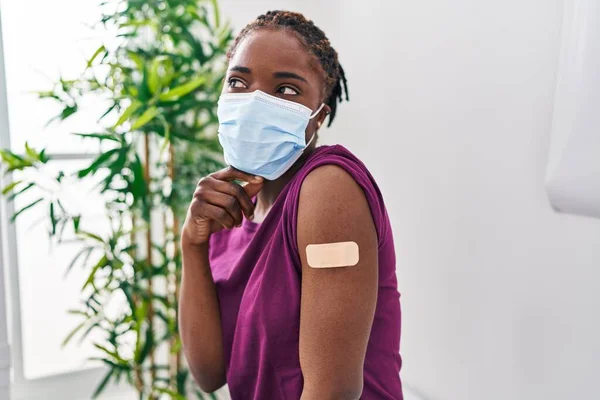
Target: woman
{"points": [[255, 311]]}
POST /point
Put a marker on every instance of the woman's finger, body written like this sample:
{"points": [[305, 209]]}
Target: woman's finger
{"points": [[205, 210], [230, 173], [227, 202], [233, 189]]}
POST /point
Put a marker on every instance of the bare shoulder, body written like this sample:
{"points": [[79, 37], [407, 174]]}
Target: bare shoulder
{"points": [[332, 205]]}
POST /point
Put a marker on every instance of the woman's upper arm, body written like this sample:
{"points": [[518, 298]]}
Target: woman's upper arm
{"points": [[338, 304]]}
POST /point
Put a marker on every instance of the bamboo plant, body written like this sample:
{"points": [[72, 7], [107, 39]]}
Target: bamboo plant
{"points": [[158, 138]]}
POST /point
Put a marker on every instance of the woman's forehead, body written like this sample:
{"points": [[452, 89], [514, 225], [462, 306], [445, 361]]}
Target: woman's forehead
{"points": [[274, 49]]}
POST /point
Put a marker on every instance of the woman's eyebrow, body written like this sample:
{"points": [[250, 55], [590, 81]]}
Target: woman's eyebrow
{"points": [[289, 75], [237, 68]]}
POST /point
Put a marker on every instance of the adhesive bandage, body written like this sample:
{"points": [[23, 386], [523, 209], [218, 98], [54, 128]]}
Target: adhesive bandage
{"points": [[332, 255]]}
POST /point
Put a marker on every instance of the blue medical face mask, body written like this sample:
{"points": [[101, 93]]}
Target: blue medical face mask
{"points": [[262, 134]]}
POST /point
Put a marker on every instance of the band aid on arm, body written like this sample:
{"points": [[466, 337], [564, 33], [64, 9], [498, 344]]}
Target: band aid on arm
{"points": [[332, 255]]}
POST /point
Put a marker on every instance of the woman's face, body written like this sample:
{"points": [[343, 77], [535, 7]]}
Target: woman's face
{"points": [[275, 62]]}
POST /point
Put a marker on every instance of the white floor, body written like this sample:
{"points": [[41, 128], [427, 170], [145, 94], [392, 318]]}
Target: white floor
{"points": [[223, 394]]}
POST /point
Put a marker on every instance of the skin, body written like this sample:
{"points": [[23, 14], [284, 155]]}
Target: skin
{"points": [[338, 304]]}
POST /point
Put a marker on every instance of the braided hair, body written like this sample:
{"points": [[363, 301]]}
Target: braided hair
{"points": [[316, 43]]}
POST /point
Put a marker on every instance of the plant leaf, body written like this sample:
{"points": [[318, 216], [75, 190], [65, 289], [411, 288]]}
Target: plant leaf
{"points": [[108, 110], [9, 156], [10, 187], [13, 195], [216, 11], [68, 111], [90, 235], [100, 264], [146, 348], [76, 221], [65, 113], [146, 117], [73, 332], [136, 59], [100, 388], [96, 53], [174, 395], [28, 206], [101, 136], [129, 111], [14, 161], [97, 163], [138, 185], [111, 353], [181, 379], [184, 89], [81, 252], [76, 312], [32, 154], [43, 157], [155, 81], [87, 331], [53, 219]]}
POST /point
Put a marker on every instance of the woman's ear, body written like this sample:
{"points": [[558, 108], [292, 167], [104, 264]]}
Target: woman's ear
{"points": [[322, 115]]}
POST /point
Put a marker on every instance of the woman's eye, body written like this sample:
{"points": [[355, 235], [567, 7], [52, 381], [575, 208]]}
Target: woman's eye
{"points": [[236, 84], [286, 90]]}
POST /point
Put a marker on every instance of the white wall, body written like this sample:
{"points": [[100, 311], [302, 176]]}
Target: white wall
{"points": [[5, 356], [451, 109], [4, 347]]}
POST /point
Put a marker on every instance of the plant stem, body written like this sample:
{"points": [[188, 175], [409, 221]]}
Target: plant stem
{"points": [[177, 280], [175, 357], [139, 380], [137, 369], [149, 255]]}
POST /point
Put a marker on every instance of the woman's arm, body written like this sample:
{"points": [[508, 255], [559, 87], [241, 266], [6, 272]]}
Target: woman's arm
{"points": [[199, 318], [338, 304], [218, 203]]}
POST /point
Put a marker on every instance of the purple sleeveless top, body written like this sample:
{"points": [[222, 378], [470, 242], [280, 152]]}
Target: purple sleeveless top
{"points": [[257, 272]]}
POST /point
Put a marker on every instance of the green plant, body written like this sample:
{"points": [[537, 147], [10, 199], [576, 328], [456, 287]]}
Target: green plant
{"points": [[162, 81]]}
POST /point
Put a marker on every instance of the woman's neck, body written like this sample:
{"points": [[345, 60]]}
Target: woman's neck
{"points": [[271, 189]]}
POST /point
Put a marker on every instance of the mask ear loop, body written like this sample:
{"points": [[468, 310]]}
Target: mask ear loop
{"points": [[318, 111], [318, 125], [311, 139]]}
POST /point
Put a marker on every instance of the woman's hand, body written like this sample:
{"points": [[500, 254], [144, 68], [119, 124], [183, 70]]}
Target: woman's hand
{"points": [[219, 203]]}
